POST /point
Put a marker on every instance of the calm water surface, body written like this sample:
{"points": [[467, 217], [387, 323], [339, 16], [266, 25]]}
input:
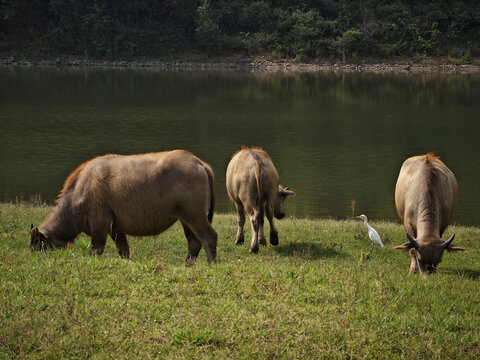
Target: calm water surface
{"points": [[333, 137]]}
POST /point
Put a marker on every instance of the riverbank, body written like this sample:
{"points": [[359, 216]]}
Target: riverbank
{"points": [[260, 64], [322, 293]]}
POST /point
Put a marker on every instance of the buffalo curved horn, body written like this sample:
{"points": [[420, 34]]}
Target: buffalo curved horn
{"points": [[446, 244], [413, 242]]}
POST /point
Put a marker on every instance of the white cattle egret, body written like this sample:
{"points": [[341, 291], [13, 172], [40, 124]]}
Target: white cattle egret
{"points": [[372, 233]]}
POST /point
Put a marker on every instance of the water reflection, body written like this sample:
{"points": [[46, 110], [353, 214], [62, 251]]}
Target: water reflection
{"points": [[333, 137]]}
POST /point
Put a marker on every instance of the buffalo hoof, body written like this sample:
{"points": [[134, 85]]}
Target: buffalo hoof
{"points": [[240, 239], [274, 239], [190, 261], [263, 242], [96, 251], [254, 251], [125, 254]]}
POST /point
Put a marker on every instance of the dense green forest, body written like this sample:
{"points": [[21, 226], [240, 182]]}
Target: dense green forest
{"points": [[347, 30]]}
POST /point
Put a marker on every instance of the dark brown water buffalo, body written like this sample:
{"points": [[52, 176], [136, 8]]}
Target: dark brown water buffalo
{"points": [[425, 197], [137, 195], [252, 184]]}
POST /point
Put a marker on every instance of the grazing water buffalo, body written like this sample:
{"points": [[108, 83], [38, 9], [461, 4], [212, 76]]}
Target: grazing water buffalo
{"points": [[139, 195], [425, 197], [252, 184]]}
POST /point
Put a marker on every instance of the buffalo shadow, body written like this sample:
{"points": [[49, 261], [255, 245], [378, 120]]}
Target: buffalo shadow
{"points": [[465, 272]]}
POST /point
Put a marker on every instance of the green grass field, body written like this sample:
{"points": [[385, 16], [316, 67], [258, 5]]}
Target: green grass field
{"points": [[322, 293]]}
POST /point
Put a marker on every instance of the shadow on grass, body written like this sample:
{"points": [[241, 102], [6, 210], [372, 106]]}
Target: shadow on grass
{"points": [[309, 251], [467, 273]]}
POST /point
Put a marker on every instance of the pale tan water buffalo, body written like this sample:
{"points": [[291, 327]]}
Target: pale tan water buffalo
{"points": [[425, 196], [139, 195], [252, 184]]}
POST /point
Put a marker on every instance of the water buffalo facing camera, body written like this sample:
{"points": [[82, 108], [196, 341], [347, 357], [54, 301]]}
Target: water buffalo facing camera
{"points": [[425, 197]]}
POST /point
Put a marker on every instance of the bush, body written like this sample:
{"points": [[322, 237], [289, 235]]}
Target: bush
{"points": [[303, 29], [352, 43], [207, 30]]}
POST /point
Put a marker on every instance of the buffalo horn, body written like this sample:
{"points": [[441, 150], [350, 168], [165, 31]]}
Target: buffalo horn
{"points": [[446, 244], [413, 241]]}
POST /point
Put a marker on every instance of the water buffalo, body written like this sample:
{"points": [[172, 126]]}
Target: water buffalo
{"points": [[139, 195], [425, 197], [252, 184]]}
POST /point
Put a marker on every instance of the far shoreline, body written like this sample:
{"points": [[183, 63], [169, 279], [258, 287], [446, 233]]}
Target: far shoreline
{"points": [[430, 66]]}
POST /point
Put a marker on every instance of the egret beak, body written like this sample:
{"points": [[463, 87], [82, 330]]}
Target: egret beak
{"points": [[357, 217]]}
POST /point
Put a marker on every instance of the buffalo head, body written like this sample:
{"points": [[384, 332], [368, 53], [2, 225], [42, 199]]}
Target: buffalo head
{"points": [[426, 254], [38, 241], [282, 194]]}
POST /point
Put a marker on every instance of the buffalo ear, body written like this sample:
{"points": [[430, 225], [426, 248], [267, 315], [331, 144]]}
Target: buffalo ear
{"points": [[412, 243], [286, 192], [455, 248], [447, 245], [406, 246]]}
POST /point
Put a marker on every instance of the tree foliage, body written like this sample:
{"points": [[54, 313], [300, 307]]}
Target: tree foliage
{"points": [[306, 29]]}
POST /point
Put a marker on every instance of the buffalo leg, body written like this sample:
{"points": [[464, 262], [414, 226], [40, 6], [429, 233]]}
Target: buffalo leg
{"points": [[261, 234], [273, 229], [207, 236], [240, 239], [255, 223], [413, 263], [194, 245], [121, 243], [98, 244]]}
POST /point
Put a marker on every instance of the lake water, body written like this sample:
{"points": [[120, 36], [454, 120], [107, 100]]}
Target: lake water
{"points": [[334, 137]]}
